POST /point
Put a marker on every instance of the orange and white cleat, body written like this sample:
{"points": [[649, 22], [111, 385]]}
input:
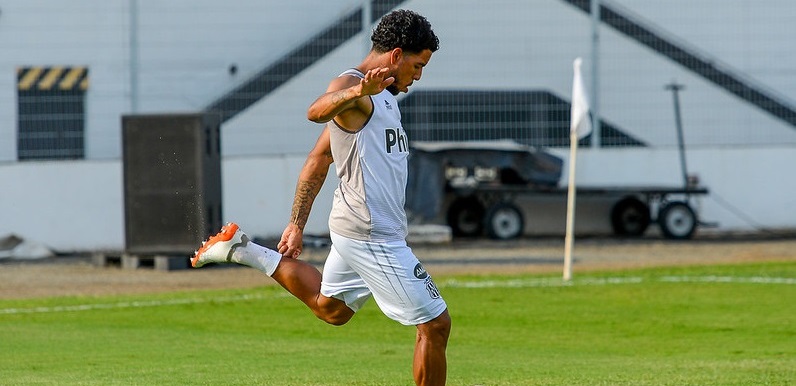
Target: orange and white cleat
{"points": [[219, 248]]}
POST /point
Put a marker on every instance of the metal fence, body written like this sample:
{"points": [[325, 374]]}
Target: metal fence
{"points": [[503, 72], [634, 58]]}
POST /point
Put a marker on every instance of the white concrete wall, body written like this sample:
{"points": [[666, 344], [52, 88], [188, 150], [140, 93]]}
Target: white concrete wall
{"points": [[65, 205]]}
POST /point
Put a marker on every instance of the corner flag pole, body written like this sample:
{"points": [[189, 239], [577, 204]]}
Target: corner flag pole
{"points": [[573, 138], [580, 127]]}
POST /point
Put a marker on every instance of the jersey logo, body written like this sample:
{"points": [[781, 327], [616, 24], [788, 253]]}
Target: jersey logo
{"points": [[396, 138], [387, 105], [432, 289], [420, 272]]}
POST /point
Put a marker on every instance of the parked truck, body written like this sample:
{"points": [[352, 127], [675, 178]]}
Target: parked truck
{"points": [[477, 185]]}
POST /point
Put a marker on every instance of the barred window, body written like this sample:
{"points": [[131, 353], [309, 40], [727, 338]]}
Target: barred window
{"points": [[51, 112]]}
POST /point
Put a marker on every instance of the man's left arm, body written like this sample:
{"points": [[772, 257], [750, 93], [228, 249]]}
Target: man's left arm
{"points": [[310, 182]]}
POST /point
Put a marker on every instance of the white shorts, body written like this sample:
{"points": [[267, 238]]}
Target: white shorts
{"points": [[389, 272]]}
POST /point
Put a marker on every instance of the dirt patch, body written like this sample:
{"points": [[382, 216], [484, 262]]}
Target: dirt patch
{"points": [[77, 276]]}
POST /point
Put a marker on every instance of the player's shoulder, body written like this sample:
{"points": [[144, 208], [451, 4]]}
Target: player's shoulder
{"points": [[352, 72], [343, 81]]}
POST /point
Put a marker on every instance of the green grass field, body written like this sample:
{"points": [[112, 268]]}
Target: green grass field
{"points": [[721, 325]]}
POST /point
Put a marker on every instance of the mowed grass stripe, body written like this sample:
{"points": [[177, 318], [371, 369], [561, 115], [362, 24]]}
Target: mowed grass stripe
{"points": [[135, 304], [453, 283]]}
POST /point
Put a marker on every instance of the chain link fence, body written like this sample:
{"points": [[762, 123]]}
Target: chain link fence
{"points": [[503, 71]]}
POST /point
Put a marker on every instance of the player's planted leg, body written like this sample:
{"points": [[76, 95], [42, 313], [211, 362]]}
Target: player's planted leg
{"points": [[430, 363]]}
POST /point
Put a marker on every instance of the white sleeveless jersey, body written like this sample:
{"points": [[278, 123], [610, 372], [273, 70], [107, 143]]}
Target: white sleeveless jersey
{"points": [[372, 167]]}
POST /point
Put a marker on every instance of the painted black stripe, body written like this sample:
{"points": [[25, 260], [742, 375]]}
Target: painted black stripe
{"points": [[384, 271]]}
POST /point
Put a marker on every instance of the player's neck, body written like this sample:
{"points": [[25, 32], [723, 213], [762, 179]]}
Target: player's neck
{"points": [[374, 60]]}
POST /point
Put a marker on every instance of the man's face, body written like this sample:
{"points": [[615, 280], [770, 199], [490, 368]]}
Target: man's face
{"points": [[409, 68]]}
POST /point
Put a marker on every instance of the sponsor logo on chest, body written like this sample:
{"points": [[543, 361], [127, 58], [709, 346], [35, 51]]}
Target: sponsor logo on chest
{"points": [[395, 140]]}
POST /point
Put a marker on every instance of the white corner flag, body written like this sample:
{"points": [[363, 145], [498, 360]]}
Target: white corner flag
{"points": [[580, 122], [580, 127]]}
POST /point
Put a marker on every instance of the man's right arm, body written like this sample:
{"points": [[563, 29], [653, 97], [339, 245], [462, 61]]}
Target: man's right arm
{"points": [[345, 92], [342, 95]]}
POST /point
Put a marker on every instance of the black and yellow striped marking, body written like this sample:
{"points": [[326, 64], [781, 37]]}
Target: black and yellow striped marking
{"points": [[53, 78]]}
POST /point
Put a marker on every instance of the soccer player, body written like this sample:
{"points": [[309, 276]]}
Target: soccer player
{"points": [[369, 256]]}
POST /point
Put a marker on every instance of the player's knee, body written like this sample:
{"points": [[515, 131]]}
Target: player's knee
{"points": [[334, 312], [438, 328], [335, 317]]}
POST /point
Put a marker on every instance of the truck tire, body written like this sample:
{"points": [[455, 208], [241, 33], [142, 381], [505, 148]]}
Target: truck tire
{"points": [[504, 221], [630, 217], [677, 221], [466, 217]]}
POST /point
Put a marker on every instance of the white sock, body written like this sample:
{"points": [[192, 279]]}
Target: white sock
{"points": [[257, 256]]}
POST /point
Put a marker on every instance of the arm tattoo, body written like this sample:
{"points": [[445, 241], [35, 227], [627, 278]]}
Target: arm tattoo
{"points": [[306, 191], [338, 97]]}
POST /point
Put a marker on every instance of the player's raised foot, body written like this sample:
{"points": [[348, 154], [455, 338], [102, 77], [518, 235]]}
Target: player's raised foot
{"points": [[219, 248]]}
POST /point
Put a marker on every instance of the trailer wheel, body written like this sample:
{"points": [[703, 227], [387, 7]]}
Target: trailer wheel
{"points": [[504, 221], [466, 217], [677, 221], [630, 217]]}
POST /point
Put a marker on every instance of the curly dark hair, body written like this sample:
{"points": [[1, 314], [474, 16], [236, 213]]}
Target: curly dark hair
{"points": [[406, 30]]}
